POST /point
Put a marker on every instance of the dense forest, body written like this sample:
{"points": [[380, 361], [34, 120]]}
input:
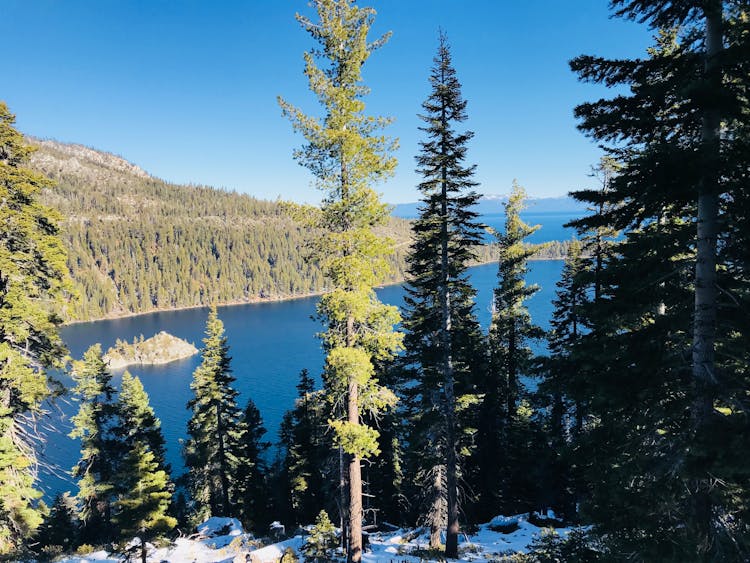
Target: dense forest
{"points": [[629, 432], [136, 243]]}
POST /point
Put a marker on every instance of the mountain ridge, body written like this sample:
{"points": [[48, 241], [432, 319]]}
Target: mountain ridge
{"points": [[139, 244]]}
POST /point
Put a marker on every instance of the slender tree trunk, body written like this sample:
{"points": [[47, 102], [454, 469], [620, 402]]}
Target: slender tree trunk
{"points": [[144, 551], [436, 519], [354, 554], [355, 487], [704, 328], [224, 478], [343, 500], [449, 406], [511, 375]]}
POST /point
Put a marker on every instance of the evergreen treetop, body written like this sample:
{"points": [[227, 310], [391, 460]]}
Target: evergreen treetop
{"points": [[443, 339], [211, 451], [137, 419]]}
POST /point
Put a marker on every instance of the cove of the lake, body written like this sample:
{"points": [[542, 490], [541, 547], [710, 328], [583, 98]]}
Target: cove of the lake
{"points": [[269, 343]]}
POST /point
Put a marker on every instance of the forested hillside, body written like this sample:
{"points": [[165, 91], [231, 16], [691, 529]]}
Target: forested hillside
{"points": [[136, 243]]}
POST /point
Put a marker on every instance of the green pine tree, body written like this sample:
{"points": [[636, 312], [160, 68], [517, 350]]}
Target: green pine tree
{"points": [[504, 457], [560, 389], [143, 484], [143, 505], [251, 477], [321, 542], [92, 425], [346, 154], [443, 340], [138, 421], [214, 428], [307, 455], [34, 286]]}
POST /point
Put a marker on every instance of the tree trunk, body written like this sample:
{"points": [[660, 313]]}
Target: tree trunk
{"points": [[449, 403], [144, 551], [223, 477], [436, 512], [704, 327], [354, 554], [355, 485], [343, 500]]}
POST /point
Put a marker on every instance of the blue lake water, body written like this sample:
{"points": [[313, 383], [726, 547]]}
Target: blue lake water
{"points": [[269, 343]]}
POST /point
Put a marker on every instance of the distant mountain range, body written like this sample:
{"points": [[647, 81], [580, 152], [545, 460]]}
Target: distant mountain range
{"points": [[493, 205]]}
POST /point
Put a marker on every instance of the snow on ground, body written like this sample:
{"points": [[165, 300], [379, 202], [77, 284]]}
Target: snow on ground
{"points": [[487, 543], [222, 540]]}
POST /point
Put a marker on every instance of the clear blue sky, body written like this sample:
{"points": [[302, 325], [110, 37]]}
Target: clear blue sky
{"points": [[187, 90]]}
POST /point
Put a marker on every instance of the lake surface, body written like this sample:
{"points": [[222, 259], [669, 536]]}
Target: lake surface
{"points": [[269, 343]]}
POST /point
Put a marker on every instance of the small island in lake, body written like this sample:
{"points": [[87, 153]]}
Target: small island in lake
{"points": [[161, 348]]}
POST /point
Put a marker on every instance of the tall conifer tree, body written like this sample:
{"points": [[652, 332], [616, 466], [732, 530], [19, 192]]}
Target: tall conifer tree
{"points": [[504, 428], [93, 425], [252, 471], [346, 154], [61, 525], [142, 507], [143, 484], [138, 421], [560, 388], [33, 289], [443, 339], [214, 427], [307, 455]]}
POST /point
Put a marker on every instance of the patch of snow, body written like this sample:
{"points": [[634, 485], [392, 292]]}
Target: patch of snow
{"points": [[220, 526], [100, 556], [272, 553], [222, 540]]}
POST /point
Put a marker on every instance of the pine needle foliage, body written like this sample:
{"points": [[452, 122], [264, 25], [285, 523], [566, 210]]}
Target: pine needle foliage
{"points": [[61, 527], [321, 542], [560, 390], [138, 422], [307, 456], [142, 508], [34, 288], [251, 477], [512, 328], [507, 435]]}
